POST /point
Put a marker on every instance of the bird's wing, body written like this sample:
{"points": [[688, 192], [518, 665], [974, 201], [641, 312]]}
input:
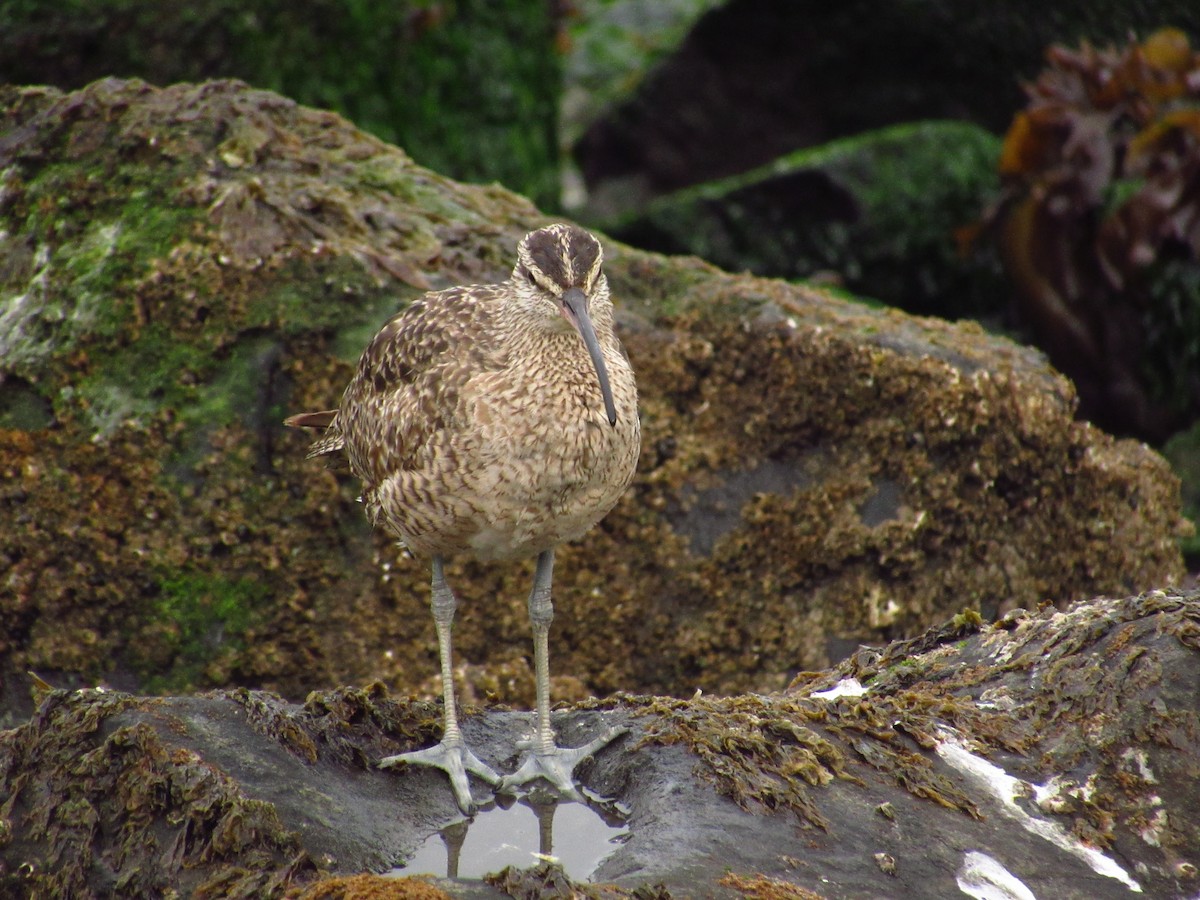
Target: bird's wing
{"points": [[408, 385]]}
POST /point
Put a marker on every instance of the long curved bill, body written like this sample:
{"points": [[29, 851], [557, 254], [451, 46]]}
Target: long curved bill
{"points": [[575, 302]]}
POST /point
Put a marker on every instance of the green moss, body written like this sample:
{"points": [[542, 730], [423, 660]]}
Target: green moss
{"points": [[237, 382], [88, 264], [135, 381], [968, 621], [657, 287], [394, 175], [87, 302], [905, 669], [151, 228], [349, 343], [468, 88], [22, 407], [879, 209], [1183, 452], [85, 252], [336, 294], [198, 618]]}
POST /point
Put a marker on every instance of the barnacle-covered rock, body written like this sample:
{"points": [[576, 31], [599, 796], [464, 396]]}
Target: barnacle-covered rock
{"points": [[1054, 751], [184, 266]]}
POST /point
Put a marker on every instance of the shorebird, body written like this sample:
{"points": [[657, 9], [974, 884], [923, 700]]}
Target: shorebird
{"points": [[497, 420]]}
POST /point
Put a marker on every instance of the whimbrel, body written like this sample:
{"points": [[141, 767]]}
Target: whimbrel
{"points": [[495, 420]]}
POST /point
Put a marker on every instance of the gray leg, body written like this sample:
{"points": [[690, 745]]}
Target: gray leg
{"points": [[546, 759], [450, 755], [541, 614]]}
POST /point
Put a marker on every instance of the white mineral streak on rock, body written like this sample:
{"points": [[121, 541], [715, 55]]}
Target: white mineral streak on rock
{"points": [[983, 878], [1005, 789], [847, 687]]}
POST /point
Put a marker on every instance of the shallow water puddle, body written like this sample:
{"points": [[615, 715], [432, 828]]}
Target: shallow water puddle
{"points": [[578, 837]]}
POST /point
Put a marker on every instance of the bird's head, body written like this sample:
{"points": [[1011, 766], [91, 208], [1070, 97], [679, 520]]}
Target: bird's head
{"points": [[558, 280]]}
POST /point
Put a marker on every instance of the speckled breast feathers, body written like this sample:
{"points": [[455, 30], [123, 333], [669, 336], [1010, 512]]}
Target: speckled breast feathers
{"points": [[496, 419]]}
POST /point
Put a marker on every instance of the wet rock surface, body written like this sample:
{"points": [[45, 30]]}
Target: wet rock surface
{"points": [[184, 266], [1057, 749]]}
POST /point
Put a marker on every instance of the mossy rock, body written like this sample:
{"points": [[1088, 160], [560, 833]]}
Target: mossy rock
{"points": [[754, 81], [1183, 452], [469, 88], [880, 212], [184, 266]]}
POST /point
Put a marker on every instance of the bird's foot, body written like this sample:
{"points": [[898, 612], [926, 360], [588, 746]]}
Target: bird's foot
{"points": [[456, 760], [557, 765]]}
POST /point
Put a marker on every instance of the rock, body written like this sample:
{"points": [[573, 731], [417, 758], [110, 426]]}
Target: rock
{"points": [[615, 45], [1054, 750], [184, 266], [755, 80], [881, 210]]}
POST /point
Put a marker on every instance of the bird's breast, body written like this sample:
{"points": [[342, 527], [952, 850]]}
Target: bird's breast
{"points": [[546, 465]]}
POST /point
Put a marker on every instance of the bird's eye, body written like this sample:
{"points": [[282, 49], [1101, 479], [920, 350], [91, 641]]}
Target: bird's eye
{"points": [[529, 277]]}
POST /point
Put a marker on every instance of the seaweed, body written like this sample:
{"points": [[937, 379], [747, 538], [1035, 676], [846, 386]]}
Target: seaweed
{"points": [[1099, 226]]}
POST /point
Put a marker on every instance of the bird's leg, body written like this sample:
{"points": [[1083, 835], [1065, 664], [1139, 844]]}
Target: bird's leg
{"points": [[541, 614], [546, 759], [451, 754], [444, 604]]}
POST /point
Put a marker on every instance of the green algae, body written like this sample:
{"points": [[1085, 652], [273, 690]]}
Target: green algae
{"points": [[88, 239], [200, 620], [470, 88], [23, 408]]}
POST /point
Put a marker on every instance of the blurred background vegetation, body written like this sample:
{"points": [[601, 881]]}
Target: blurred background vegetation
{"points": [[1033, 164], [469, 88]]}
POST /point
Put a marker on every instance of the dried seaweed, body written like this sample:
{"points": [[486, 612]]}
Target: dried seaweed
{"points": [[1099, 226]]}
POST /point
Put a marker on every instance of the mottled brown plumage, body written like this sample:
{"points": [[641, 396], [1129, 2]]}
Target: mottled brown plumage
{"points": [[496, 420]]}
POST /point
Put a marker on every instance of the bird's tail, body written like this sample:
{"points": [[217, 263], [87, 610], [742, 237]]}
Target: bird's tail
{"points": [[326, 418]]}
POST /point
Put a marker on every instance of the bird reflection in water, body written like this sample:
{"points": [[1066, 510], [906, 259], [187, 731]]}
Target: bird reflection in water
{"points": [[539, 826]]}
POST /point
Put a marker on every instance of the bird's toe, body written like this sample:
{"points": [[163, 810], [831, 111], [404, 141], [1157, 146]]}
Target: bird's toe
{"points": [[456, 761], [557, 765]]}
